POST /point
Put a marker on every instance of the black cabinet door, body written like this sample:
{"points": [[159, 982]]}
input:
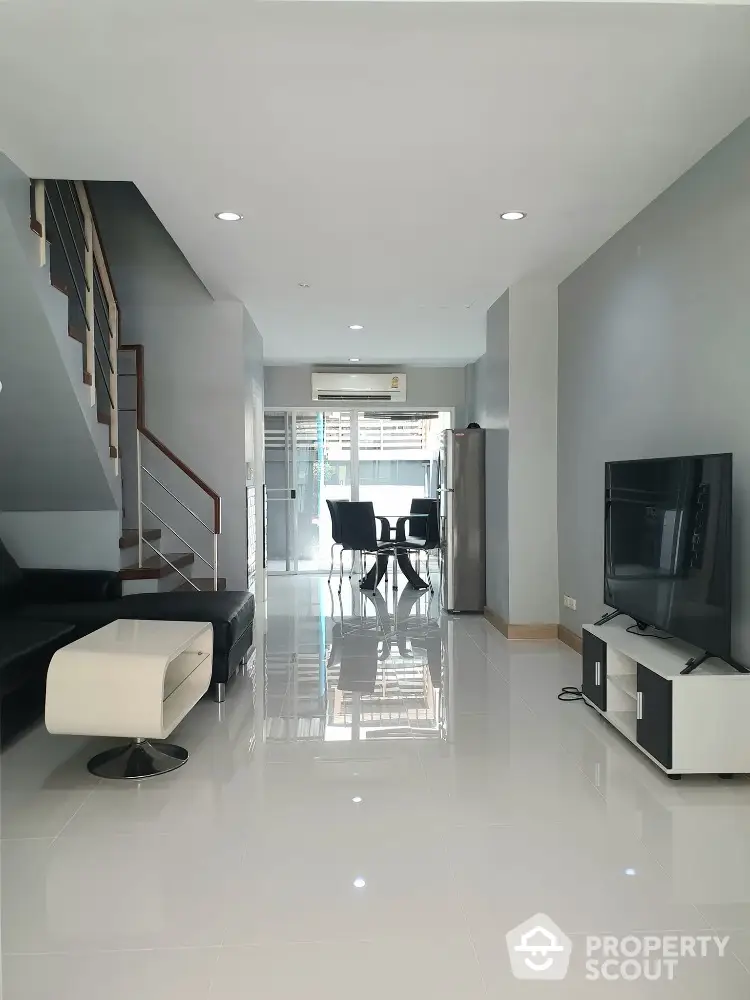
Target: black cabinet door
{"points": [[654, 715], [594, 682]]}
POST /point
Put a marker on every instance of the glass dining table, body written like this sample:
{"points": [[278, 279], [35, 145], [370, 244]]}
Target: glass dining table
{"points": [[376, 573]]}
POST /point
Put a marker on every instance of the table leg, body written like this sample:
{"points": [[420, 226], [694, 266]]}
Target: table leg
{"points": [[402, 556], [375, 574]]}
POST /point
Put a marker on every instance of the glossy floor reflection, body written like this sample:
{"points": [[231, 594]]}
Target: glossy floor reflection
{"points": [[384, 795]]}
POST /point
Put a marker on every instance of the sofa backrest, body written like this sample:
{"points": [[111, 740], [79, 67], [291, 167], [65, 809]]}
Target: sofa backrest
{"points": [[11, 576]]}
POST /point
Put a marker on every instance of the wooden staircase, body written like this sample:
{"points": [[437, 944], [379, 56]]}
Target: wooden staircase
{"points": [[78, 269], [155, 567]]}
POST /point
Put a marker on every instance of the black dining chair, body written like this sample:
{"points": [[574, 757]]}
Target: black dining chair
{"points": [[358, 656], [358, 533], [423, 533], [333, 506]]}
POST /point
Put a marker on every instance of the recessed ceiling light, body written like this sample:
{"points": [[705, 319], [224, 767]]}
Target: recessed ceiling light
{"points": [[357, 798], [302, 284], [359, 883], [228, 216], [356, 326], [354, 359], [513, 216]]}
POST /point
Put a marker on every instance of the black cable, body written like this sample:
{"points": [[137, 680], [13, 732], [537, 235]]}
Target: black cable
{"points": [[570, 693], [635, 630]]}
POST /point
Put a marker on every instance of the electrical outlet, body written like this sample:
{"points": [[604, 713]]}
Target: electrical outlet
{"points": [[569, 602]]}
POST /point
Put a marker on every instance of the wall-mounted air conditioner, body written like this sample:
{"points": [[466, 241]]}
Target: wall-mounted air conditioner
{"points": [[357, 387]]}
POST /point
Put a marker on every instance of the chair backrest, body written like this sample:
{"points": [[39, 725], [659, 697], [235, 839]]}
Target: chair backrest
{"points": [[425, 528], [357, 523], [333, 508]]}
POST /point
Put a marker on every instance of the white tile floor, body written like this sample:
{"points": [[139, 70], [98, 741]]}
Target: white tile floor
{"points": [[436, 766]]}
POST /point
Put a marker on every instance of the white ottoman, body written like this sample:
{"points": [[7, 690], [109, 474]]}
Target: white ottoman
{"points": [[131, 678]]}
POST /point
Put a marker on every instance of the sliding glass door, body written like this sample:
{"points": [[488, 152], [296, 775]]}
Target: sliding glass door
{"points": [[398, 458], [308, 461], [324, 472], [317, 455]]}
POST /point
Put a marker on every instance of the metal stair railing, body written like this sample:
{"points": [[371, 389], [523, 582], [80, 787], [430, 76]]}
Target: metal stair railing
{"points": [[144, 473]]}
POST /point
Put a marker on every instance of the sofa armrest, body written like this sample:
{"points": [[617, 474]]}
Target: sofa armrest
{"points": [[65, 586]]}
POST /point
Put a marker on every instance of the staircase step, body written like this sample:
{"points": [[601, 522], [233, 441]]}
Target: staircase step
{"points": [[155, 568], [203, 583], [59, 284], [129, 537], [79, 335]]}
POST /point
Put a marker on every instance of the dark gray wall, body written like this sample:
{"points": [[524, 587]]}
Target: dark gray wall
{"points": [[654, 359], [487, 403]]}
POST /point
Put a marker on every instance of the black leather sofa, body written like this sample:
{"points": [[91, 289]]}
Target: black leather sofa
{"points": [[42, 610]]}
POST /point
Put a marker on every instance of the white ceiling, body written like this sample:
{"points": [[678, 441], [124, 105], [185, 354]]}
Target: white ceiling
{"points": [[371, 147]]}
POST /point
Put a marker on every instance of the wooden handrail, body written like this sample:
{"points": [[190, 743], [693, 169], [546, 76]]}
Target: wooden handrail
{"points": [[140, 416], [98, 265], [100, 253]]}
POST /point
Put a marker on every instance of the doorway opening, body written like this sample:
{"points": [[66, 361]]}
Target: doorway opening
{"points": [[389, 457]]}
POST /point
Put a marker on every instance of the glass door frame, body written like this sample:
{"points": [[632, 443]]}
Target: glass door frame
{"points": [[290, 414], [288, 493]]}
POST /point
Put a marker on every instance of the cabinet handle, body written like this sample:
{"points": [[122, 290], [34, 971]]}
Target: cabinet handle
{"points": [[639, 705], [598, 673]]}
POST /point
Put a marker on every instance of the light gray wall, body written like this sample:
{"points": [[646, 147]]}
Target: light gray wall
{"points": [[62, 539], [194, 370], [487, 392], [655, 360], [532, 460], [289, 385], [512, 392], [496, 505], [53, 454], [487, 402]]}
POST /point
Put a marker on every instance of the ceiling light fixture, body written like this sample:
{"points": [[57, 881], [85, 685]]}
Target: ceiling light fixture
{"points": [[354, 359], [359, 883], [228, 216], [302, 284], [356, 326], [357, 798], [513, 216]]}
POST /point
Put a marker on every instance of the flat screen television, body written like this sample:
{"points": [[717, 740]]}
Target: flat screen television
{"points": [[667, 546]]}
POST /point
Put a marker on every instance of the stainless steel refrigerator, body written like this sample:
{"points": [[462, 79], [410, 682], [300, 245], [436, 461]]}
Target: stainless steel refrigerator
{"points": [[461, 494]]}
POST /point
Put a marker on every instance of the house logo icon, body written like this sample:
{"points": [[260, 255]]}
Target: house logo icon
{"points": [[538, 949]]}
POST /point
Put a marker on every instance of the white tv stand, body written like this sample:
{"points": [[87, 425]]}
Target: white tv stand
{"points": [[697, 723]]}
